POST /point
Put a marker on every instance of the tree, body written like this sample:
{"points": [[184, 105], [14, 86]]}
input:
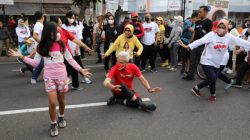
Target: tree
{"points": [[84, 4]]}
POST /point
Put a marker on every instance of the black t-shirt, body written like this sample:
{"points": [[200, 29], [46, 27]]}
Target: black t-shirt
{"points": [[167, 31], [202, 27], [111, 34]]}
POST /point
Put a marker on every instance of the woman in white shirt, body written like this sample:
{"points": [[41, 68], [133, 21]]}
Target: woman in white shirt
{"points": [[216, 45], [22, 31], [71, 26]]}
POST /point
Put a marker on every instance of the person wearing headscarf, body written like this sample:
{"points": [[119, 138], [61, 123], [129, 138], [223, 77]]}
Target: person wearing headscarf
{"points": [[216, 45], [173, 42]]}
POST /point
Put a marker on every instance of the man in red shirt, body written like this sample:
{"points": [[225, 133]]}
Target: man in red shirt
{"points": [[123, 74], [138, 32]]}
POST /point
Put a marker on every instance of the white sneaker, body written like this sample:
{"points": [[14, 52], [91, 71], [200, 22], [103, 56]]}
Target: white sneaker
{"points": [[229, 71], [86, 81], [169, 67], [173, 69], [33, 81]]}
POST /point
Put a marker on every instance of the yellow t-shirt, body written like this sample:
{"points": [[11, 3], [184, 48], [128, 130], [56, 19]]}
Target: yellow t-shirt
{"points": [[160, 35], [123, 43]]}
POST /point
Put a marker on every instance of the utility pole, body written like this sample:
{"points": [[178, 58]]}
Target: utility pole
{"points": [[4, 18]]}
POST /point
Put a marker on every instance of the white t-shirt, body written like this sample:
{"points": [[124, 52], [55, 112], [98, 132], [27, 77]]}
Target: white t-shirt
{"points": [[216, 47], [38, 28], [77, 33], [81, 27], [22, 32], [150, 29]]}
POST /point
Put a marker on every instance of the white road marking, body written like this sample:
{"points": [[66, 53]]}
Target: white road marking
{"points": [[15, 70], [31, 110], [6, 63], [88, 66]]}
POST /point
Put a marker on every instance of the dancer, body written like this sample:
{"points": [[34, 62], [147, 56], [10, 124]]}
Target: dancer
{"points": [[53, 51], [217, 44], [123, 74]]}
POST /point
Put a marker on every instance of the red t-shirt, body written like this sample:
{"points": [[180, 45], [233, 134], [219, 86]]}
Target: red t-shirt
{"points": [[65, 36], [126, 75]]}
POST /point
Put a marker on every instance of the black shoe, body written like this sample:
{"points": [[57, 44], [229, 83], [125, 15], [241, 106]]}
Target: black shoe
{"points": [[111, 101], [188, 78], [149, 107], [22, 71], [182, 71]]}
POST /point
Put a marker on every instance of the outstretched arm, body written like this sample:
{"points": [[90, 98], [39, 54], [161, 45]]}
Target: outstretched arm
{"points": [[75, 65], [146, 84], [81, 44], [113, 47], [34, 62]]}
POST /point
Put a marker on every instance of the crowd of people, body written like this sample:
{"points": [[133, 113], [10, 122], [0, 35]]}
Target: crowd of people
{"points": [[58, 46]]}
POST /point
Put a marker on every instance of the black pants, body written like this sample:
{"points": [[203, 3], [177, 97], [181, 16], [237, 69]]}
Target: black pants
{"points": [[27, 67], [230, 61], [195, 56], [68, 67], [107, 59], [243, 70], [148, 53], [222, 76], [163, 52], [82, 52], [185, 55], [136, 60], [127, 94], [74, 73], [211, 74], [98, 51]]}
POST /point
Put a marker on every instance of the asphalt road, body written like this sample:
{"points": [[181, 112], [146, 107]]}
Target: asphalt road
{"points": [[179, 116]]}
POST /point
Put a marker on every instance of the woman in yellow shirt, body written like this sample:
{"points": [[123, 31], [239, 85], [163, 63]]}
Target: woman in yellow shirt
{"points": [[126, 42], [159, 42]]}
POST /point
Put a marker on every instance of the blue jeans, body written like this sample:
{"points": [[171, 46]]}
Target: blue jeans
{"points": [[38, 70]]}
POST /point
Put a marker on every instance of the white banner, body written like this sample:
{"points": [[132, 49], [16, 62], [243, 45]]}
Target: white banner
{"points": [[174, 5], [7, 2]]}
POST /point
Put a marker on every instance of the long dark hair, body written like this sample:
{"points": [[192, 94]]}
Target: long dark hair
{"points": [[69, 15], [113, 19], [49, 36]]}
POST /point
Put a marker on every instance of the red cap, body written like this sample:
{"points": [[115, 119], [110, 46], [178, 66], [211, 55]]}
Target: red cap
{"points": [[134, 14]]}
